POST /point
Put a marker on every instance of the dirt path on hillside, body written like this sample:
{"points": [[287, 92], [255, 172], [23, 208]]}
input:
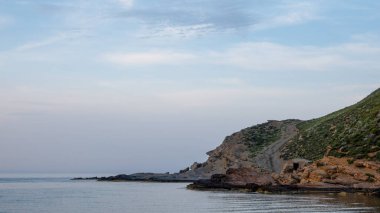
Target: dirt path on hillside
{"points": [[269, 158]]}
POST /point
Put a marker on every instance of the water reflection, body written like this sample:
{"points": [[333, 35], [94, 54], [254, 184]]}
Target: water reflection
{"points": [[61, 196], [254, 202]]}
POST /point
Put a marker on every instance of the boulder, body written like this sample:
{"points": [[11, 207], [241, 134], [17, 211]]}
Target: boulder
{"points": [[287, 168], [196, 166], [317, 175], [243, 178], [184, 170]]}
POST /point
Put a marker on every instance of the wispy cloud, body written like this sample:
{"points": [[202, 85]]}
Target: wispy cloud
{"points": [[189, 18], [366, 37], [126, 3], [289, 13], [197, 18], [4, 21], [49, 41], [149, 58], [189, 31], [121, 97], [265, 56]]}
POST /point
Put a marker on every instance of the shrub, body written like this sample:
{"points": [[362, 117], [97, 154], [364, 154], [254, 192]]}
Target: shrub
{"points": [[350, 161]]}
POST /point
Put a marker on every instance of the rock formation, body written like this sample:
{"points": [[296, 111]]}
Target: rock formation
{"points": [[333, 172], [337, 152], [256, 146]]}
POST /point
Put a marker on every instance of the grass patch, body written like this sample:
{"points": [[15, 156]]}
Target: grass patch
{"points": [[350, 132], [260, 136]]}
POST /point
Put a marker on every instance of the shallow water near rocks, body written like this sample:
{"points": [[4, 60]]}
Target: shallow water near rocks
{"points": [[60, 194]]}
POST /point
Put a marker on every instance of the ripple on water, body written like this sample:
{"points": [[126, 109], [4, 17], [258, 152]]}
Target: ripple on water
{"points": [[61, 195]]}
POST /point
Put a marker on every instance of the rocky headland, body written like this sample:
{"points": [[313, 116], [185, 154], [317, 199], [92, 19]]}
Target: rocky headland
{"points": [[339, 152]]}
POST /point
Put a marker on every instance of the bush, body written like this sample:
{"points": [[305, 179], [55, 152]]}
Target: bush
{"points": [[350, 161], [319, 164]]}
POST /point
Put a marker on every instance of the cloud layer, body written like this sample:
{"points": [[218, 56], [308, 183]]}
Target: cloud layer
{"points": [[197, 18], [130, 85], [265, 56], [149, 58]]}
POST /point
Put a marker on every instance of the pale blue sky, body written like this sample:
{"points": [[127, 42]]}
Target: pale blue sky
{"points": [[143, 85]]}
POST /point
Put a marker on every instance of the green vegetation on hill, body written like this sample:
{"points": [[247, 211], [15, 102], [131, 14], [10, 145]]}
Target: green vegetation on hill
{"points": [[260, 136], [350, 132]]}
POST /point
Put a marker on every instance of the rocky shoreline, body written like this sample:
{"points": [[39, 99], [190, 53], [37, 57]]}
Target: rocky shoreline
{"points": [[328, 175], [144, 177], [211, 185]]}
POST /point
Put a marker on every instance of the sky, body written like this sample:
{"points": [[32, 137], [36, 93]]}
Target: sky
{"points": [[122, 86]]}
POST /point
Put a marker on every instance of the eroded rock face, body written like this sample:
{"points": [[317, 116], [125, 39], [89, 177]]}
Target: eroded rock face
{"points": [[245, 178], [232, 153], [251, 147], [333, 172], [329, 174], [242, 150]]}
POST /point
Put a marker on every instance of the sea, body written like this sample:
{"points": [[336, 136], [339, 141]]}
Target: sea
{"points": [[57, 193]]}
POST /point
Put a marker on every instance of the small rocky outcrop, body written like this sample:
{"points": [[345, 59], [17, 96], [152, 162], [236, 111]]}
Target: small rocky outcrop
{"points": [[150, 177], [184, 170], [239, 178], [85, 178]]}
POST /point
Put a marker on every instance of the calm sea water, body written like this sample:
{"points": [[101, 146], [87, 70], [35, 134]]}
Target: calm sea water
{"points": [[56, 194]]}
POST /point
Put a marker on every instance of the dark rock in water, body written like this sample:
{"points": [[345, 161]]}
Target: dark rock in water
{"points": [[85, 178], [151, 177], [219, 178], [184, 170]]}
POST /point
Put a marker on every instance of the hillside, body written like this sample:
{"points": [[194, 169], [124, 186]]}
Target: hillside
{"points": [[344, 147], [254, 146], [350, 132], [241, 149]]}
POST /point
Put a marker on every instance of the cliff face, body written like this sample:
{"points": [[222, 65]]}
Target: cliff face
{"points": [[351, 132], [251, 147], [344, 145]]}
